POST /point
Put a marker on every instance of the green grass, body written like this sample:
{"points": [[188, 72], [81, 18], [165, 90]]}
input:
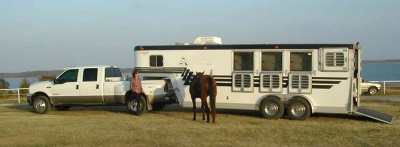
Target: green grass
{"points": [[113, 126]]}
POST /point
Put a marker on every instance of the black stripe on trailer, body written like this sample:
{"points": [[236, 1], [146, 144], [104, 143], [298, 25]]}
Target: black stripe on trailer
{"points": [[241, 46]]}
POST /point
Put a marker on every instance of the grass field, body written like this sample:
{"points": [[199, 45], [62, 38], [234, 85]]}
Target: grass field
{"points": [[113, 126]]}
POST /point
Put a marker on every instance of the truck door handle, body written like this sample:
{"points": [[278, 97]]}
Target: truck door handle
{"points": [[97, 86], [77, 86]]}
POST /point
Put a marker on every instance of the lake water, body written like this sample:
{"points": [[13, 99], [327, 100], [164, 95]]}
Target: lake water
{"points": [[370, 72]]}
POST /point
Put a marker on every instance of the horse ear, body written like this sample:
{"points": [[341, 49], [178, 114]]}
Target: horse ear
{"points": [[203, 72]]}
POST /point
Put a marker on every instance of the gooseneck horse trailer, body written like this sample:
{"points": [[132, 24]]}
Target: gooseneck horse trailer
{"points": [[301, 78]]}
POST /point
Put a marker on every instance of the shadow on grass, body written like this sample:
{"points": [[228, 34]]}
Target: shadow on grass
{"points": [[257, 114], [114, 109]]}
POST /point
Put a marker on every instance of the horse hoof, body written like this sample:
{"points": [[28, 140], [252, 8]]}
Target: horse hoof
{"points": [[194, 118]]}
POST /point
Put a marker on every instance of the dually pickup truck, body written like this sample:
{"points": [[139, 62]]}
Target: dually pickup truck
{"points": [[94, 86]]}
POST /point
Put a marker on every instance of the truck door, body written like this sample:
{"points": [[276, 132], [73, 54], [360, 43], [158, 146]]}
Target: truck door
{"points": [[90, 87], [66, 88]]}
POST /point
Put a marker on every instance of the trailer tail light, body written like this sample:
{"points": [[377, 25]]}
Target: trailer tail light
{"points": [[276, 47]]}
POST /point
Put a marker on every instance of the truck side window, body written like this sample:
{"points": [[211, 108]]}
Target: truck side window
{"points": [[300, 61], [271, 61], [113, 72], [69, 76], [156, 61], [243, 61], [90, 74]]}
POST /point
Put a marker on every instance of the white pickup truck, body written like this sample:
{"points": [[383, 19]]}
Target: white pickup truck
{"points": [[94, 86]]}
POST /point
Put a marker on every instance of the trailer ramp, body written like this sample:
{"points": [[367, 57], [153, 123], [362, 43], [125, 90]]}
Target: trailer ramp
{"points": [[375, 115]]}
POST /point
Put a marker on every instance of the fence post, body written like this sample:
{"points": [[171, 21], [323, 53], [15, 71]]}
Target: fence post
{"points": [[384, 87], [19, 98]]}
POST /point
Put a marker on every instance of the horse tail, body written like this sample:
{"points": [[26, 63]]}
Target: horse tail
{"points": [[212, 91]]}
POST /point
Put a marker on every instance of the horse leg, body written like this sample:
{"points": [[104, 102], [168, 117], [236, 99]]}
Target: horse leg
{"points": [[207, 109], [202, 109], [194, 107]]}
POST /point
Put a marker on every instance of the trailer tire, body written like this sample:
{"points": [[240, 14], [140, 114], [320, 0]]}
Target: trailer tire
{"points": [[271, 108], [299, 109], [136, 106], [41, 104]]}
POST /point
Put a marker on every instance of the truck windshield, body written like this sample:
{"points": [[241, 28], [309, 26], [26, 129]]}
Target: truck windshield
{"points": [[113, 72]]}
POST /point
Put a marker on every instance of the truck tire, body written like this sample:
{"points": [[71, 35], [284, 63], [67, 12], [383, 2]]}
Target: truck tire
{"points": [[41, 104], [158, 106], [372, 90], [299, 109], [136, 106], [271, 108]]}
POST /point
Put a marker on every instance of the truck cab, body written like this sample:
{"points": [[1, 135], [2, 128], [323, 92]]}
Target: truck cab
{"points": [[93, 86]]}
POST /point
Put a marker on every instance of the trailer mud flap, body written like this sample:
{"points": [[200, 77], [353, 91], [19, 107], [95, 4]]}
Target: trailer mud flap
{"points": [[375, 115]]}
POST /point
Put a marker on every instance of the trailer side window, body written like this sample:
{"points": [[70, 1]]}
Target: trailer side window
{"points": [[156, 61], [243, 61], [300, 61], [271, 61], [334, 59]]}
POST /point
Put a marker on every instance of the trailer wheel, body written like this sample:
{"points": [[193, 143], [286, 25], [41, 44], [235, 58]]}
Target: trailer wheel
{"points": [[299, 109], [41, 105], [136, 106], [271, 108]]}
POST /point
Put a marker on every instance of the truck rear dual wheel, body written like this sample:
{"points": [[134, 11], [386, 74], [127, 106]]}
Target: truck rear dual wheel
{"points": [[136, 106], [41, 104]]}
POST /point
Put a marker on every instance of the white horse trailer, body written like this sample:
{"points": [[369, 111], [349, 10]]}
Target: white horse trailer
{"points": [[301, 78]]}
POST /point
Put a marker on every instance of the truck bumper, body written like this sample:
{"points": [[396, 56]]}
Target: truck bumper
{"points": [[29, 99]]}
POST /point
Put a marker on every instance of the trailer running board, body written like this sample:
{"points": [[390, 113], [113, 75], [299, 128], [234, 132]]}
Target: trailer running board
{"points": [[375, 115]]}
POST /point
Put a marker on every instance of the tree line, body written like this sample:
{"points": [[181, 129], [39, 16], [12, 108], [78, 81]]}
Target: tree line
{"points": [[25, 83]]}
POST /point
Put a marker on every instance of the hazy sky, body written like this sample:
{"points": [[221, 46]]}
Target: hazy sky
{"points": [[53, 34]]}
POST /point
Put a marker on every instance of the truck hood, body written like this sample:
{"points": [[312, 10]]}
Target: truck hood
{"points": [[39, 86]]}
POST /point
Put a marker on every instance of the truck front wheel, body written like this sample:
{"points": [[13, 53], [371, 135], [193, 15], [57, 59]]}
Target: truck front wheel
{"points": [[41, 104], [136, 106]]}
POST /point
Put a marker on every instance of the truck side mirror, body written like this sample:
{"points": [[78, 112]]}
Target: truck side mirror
{"points": [[54, 80]]}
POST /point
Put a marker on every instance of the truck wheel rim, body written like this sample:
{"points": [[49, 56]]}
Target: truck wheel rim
{"points": [[133, 105], [372, 91], [298, 110], [40, 105], [271, 109]]}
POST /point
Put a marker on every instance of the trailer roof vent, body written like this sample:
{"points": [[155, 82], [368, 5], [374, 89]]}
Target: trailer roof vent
{"points": [[208, 40]]}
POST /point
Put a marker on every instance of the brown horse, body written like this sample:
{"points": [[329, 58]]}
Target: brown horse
{"points": [[201, 87]]}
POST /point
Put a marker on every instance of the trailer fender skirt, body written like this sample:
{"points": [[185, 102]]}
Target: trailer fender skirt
{"points": [[375, 115]]}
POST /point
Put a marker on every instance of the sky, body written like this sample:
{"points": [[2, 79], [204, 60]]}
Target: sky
{"points": [[54, 34]]}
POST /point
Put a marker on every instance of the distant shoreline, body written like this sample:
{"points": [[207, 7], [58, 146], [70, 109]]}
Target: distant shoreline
{"points": [[382, 61], [128, 70]]}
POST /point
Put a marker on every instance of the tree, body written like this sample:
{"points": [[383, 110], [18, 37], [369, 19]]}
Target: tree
{"points": [[25, 83], [46, 78], [4, 84]]}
